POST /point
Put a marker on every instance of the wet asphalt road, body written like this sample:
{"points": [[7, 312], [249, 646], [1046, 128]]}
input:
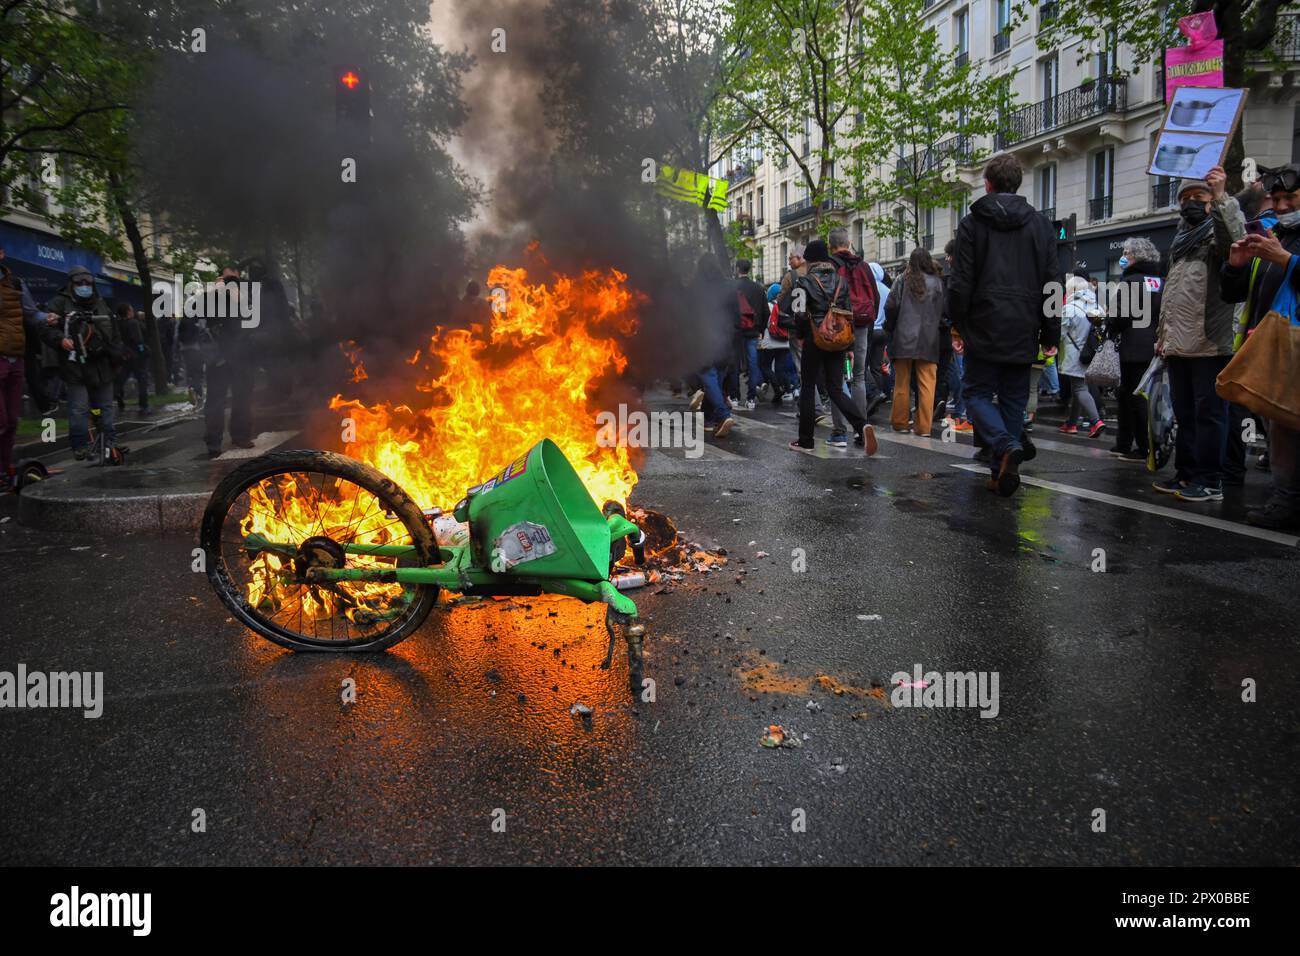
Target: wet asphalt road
{"points": [[1118, 691]]}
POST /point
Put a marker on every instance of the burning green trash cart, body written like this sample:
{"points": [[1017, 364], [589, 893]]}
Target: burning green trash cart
{"points": [[320, 552]]}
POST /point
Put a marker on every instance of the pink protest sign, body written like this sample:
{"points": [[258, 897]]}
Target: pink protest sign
{"points": [[1200, 63]]}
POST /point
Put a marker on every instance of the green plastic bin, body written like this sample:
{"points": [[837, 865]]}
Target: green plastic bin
{"points": [[535, 518]]}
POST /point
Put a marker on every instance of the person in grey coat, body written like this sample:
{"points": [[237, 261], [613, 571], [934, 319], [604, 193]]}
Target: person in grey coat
{"points": [[914, 315]]}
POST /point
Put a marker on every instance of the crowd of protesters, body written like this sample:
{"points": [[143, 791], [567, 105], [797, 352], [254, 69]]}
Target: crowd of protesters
{"points": [[976, 340], [82, 353]]}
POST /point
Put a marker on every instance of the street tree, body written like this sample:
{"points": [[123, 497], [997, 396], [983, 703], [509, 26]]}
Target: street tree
{"points": [[802, 72], [918, 114]]}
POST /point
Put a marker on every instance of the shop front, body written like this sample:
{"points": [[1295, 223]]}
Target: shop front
{"points": [[1098, 254]]}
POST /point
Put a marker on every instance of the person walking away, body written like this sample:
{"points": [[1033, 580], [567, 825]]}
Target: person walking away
{"points": [[878, 359], [229, 373], [84, 336], [714, 301], [1254, 273], [1195, 334], [915, 326], [864, 302], [137, 366], [19, 321], [1001, 308], [797, 267], [774, 351], [751, 317], [1076, 332], [822, 288], [194, 340], [1131, 318]]}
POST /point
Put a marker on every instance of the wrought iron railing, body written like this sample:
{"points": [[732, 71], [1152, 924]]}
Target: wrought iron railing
{"points": [[1048, 11], [1099, 208], [1002, 41], [1107, 95], [1048, 212], [803, 208], [737, 173]]}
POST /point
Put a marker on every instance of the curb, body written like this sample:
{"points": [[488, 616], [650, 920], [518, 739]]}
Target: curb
{"points": [[51, 506]]}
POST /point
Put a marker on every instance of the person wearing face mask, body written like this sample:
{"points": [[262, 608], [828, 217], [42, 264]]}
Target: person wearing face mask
{"points": [[1256, 267], [1195, 334], [1131, 318], [86, 340]]}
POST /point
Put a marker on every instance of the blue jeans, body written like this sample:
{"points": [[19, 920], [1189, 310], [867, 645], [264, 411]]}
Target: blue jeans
{"points": [[956, 397], [1202, 416], [999, 424], [716, 408], [81, 399], [753, 374], [778, 368], [1049, 377]]}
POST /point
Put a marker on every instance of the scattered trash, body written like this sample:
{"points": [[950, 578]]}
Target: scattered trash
{"points": [[869, 617], [579, 710], [751, 544], [908, 683], [450, 532], [812, 706], [777, 736], [838, 765], [629, 581], [761, 554], [84, 547]]}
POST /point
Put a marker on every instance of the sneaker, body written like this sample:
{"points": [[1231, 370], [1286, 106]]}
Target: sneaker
{"points": [[1068, 429], [875, 403], [794, 392], [963, 425], [1136, 454], [819, 417], [1028, 448], [795, 446], [751, 405], [724, 426], [697, 400], [869, 443], [1169, 486], [1008, 477], [1194, 492], [1276, 515], [838, 441], [1097, 428], [733, 400]]}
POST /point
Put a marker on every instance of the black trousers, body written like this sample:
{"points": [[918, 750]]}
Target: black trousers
{"points": [[1132, 411], [825, 369], [235, 380]]}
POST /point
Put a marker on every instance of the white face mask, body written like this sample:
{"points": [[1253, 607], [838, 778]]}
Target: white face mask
{"points": [[1289, 220]]}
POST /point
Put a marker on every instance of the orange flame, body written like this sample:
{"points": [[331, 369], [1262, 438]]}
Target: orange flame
{"points": [[530, 374]]}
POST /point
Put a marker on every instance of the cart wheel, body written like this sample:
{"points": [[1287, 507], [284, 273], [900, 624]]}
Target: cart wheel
{"points": [[308, 507], [28, 473], [635, 634]]}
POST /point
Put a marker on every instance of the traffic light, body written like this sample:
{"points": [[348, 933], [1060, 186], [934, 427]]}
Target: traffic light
{"points": [[352, 96], [1064, 229]]}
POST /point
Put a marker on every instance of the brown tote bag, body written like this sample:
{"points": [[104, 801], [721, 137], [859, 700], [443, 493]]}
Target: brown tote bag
{"points": [[834, 333], [1264, 375]]}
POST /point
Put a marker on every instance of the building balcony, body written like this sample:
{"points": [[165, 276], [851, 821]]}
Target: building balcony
{"points": [[1048, 213], [803, 209], [928, 242], [1286, 42], [746, 224], [1100, 208], [1071, 111], [962, 59], [1048, 11], [1001, 41], [960, 148], [738, 173]]}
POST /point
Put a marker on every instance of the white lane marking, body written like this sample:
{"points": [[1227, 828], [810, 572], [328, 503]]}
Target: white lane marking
{"points": [[263, 443], [1263, 534], [929, 444], [709, 453]]}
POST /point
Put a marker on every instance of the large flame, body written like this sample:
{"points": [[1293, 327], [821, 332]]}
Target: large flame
{"points": [[530, 372], [494, 390]]}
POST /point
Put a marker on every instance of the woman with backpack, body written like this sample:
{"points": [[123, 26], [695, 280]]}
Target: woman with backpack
{"points": [[810, 300], [1077, 348], [774, 360], [914, 319]]}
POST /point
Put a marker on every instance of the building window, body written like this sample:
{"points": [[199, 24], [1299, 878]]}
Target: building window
{"points": [[961, 36], [1002, 33], [860, 227], [1049, 79], [1101, 184], [1047, 190], [761, 214], [927, 231], [785, 194], [1105, 61]]}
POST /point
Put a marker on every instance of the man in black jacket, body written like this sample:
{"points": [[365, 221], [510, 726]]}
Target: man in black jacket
{"points": [[1002, 302], [1131, 316]]}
